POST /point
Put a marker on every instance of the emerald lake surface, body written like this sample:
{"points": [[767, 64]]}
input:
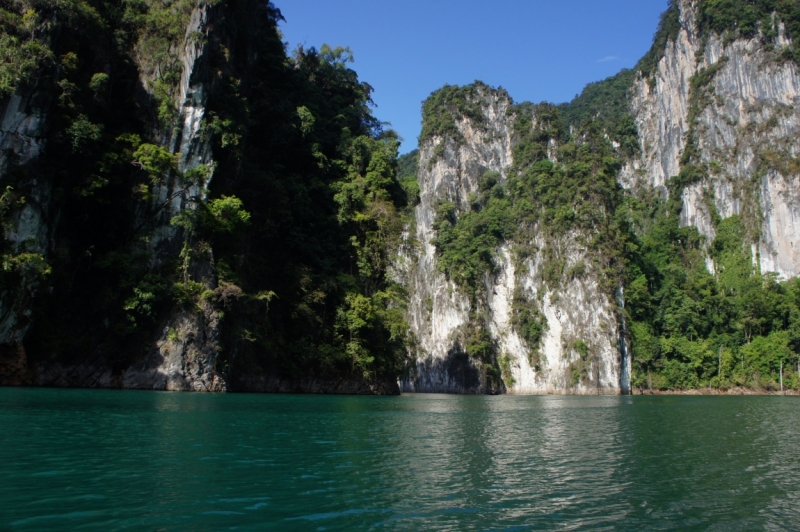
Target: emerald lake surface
{"points": [[125, 460]]}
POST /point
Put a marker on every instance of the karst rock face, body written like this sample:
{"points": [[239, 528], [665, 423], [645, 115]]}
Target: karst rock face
{"points": [[745, 124], [182, 360], [440, 313], [21, 143], [133, 151], [735, 99], [185, 352]]}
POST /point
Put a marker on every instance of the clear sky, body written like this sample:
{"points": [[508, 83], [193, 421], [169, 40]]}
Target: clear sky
{"points": [[538, 50]]}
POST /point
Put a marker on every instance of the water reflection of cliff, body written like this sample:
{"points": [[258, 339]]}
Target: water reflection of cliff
{"points": [[512, 460]]}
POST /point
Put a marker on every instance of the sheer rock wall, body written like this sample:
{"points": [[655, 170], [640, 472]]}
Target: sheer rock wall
{"points": [[22, 125], [746, 129], [185, 353], [439, 311], [187, 344]]}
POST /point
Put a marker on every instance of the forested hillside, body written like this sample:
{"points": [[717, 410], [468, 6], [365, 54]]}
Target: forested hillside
{"points": [[283, 235], [703, 310]]}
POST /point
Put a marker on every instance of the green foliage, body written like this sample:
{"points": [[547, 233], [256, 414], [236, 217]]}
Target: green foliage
{"points": [[22, 52], [227, 214], [466, 243], [478, 341], [747, 19], [228, 132], [295, 139], [99, 84], [141, 306], [306, 119], [733, 261], [82, 132], [668, 28], [577, 193], [605, 104], [188, 293], [9, 200], [450, 104], [580, 367], [504, 361], [407, 166], [530, 324], [691, 328], [27, 264], [19, 267], [156, 160]]}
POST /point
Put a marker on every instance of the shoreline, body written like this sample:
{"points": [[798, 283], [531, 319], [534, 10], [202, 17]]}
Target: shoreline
{"points": [[715, 391], [378, 392]]}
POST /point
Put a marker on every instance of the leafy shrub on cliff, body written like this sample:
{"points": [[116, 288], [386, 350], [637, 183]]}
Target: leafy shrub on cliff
{"points": [[21, 53], [466, 242], [449, 104], [605, 103], [693, 328], [668, 27], [750, 18], [407, 166], [530, 324], [444, 108]]}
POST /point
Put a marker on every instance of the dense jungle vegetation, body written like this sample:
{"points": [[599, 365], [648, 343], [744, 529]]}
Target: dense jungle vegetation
{"points": [[303, 203], [689, 327]]}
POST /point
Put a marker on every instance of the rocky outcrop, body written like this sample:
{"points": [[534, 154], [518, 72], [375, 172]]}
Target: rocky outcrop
{"points": [[192, 147], [185, 349], [577, 311], [185, 352], [745, 121], [184, 357], [22, 125], [21, 129], [439, 313]]}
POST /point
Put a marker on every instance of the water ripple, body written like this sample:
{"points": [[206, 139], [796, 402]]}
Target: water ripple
{"points": [[102, 460]]}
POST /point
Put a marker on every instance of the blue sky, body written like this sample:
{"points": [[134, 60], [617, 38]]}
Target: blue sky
{"points": [[538, 50]]}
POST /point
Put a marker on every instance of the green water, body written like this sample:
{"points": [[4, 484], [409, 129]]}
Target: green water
{"points": [[120, 460]]}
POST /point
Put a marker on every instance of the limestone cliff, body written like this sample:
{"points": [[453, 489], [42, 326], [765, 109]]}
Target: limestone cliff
{"points": [[185, 353], [21, 133], [440, 313], [716, 122], [184, 356], [737, 100], [182, 200], [130, 260]]}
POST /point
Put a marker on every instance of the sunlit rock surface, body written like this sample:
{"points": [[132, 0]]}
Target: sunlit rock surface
{"points": [[439, 312]]}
